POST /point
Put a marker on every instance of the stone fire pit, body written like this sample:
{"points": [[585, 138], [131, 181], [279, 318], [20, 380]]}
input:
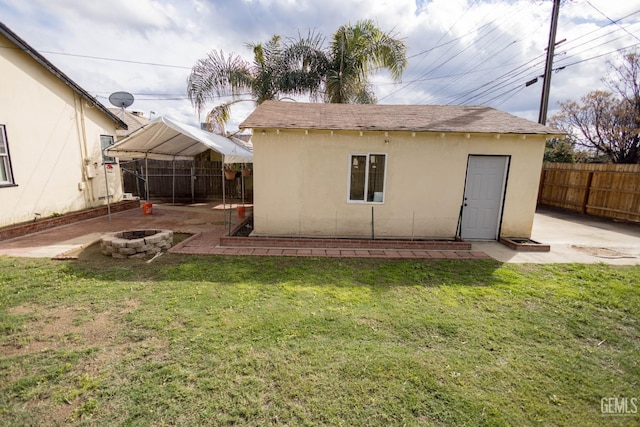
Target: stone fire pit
{"points": [[136, 243]]}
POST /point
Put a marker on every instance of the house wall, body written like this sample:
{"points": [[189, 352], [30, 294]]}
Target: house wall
{"points": [[301, 182], [54, 143]]}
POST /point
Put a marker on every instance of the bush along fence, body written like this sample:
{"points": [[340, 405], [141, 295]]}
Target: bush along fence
{"points": [[610, 191]]}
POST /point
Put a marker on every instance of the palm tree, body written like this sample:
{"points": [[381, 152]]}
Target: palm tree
{"points": [[276, 70], [300, 66], [357, 51], [217, 75]]}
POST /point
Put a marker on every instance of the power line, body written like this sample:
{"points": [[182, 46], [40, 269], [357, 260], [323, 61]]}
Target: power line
{"points": [[426, 74], [453, 53], [168, 97], [116, 60], [508, 76], [477, 62], [570, 65], [566, 58], [503, 80], [601, 28], [612, 21], [603, 54]]}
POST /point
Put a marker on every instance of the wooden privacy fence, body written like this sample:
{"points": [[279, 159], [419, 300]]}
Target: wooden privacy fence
{"points": [[186, 179], [611, 191]]}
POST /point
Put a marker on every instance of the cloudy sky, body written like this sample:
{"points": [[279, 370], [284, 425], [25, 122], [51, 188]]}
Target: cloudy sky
{"points": [[476, 52]]}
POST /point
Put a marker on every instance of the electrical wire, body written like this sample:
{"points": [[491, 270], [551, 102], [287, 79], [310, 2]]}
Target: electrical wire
{"points": [[612, 21], [622, 49], [115, 60], [445, 58], [497, 83], [495, 48], [492, 43]]}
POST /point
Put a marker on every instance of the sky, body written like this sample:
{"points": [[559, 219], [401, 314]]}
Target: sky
{"points": [[460, 52]]}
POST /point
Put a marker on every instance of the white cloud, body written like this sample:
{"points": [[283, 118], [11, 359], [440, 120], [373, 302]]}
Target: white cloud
{"points": [[460, 50], [140, 15]]}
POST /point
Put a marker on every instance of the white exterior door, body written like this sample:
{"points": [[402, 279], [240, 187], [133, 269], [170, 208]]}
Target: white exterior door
{"points": [[483, 197]]}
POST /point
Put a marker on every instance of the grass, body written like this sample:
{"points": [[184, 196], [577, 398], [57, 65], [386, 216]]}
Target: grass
{"points": [[190, 340]]}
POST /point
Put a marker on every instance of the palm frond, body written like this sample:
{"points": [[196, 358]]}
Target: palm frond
{"points": [[215, 76], [356, 51]]}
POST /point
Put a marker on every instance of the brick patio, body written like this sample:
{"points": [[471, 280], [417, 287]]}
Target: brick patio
{"points": [[210, 237]]}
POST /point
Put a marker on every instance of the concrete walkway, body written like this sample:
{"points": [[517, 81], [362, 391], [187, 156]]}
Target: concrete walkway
{"points": [[573, 238]]}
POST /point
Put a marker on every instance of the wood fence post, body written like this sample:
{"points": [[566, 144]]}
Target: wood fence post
{"points": [[587, 192], [541, 189]]}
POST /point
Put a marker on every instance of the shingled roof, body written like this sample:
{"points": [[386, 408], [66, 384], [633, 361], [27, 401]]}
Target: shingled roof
{"points": [[374, 117], [134, 120]]}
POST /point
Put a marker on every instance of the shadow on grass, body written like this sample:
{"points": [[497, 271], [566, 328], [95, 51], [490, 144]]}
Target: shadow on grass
{"points": [[230, 270]]}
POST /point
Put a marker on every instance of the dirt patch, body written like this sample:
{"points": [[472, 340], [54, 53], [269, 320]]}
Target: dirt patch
{"points": [[63, 327], [601, 252], [104, 335]]}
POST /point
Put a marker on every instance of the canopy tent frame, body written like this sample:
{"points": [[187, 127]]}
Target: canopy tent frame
{"points": [[167, 139]]}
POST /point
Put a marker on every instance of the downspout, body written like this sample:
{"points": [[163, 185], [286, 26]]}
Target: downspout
{"points": [[84, 149], [106, 185]]}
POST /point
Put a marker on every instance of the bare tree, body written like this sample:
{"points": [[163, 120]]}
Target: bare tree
{"points": [[608, 122]]}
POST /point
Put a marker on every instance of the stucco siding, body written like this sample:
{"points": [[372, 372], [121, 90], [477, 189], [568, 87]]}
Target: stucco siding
{"points": [[302, 178], [54, 143], [522, 188]]}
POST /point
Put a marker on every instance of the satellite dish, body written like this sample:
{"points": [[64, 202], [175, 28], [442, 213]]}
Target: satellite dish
{"points": [[121, 99]]}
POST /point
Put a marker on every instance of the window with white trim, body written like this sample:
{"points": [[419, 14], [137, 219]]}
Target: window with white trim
{"points": [[6, 174], [366, 177], [106, 141]]}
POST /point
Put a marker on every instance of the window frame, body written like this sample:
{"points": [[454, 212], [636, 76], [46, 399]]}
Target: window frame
{"points": [[5, 158], [106, 160], [366, 178]]}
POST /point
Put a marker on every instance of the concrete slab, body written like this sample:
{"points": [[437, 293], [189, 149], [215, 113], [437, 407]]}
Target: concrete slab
{"points": [[574, 238]]}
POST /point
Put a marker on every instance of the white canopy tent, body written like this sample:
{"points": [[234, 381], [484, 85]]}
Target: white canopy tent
{"points": [[166, 139]]}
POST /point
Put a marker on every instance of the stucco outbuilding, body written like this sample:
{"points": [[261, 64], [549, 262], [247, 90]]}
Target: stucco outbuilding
{"points": [[394, 171]]}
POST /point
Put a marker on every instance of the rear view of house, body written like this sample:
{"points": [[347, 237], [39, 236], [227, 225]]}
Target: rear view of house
{"points": [[394, 171], [51, 137]]}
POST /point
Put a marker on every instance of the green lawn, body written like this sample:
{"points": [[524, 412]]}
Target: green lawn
{"points": [[190, 340]]}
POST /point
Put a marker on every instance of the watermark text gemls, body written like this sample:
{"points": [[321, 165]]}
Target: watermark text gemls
{"points": [[619, 405]]}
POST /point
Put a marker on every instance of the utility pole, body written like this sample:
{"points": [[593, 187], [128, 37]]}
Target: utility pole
{"points": [[546, 86]]}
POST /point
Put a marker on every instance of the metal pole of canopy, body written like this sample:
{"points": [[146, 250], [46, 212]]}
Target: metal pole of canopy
{"points": [[146, 177], [242, 183], [224, 203], [173, 183], [193, 181]]}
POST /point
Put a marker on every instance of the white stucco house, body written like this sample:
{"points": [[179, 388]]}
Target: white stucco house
{"points": [[394, 171], [51, 137]]}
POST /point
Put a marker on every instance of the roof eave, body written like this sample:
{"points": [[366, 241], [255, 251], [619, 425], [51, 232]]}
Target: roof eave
{"points": [[551, 134]]}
